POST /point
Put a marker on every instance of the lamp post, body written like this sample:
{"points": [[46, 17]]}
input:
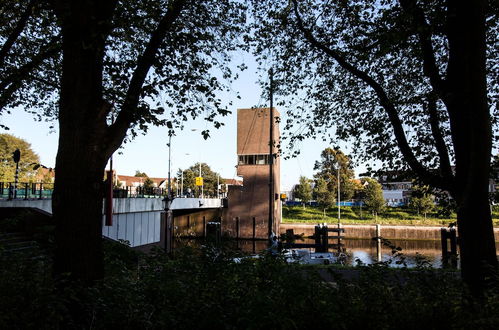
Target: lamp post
{"points": [[170, 133], [182, 184], [16, 155], [202, 184], [339, 209], [168, 199], [182, 180], [218, 185]]}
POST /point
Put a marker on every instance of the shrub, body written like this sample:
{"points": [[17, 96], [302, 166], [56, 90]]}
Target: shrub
{"points": [[206, 288]]}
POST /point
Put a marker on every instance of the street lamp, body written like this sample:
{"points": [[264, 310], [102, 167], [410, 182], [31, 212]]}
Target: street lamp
{"points": [[202, 184], [339, 209], [182, 180], [170, 133], [168, 199]]}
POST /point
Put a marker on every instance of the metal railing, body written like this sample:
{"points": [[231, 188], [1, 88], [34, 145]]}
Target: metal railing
{"points": [[31, 190], [139, 192], [38, 190]]}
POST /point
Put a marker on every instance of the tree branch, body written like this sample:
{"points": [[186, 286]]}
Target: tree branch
{"points": [[128, 115], [445, 167], [12, 82], [422, 29], [21, 24], [385, 102]]}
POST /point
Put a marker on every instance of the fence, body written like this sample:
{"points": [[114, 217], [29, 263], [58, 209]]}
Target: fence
{"points": [[38, 190], [32, 190], [134, 192]]}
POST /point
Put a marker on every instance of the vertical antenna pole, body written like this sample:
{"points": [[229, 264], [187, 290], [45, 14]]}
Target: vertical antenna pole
{"points": [[271, 159], [109, 192], [339, 209]]}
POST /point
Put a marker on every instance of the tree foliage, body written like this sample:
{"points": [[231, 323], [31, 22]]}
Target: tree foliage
{"points": [[422, 201], [209, 179], [410, 83], [140, 174], [30, 57], [8, 144], [424, 204], [303, 190], [112, 69], [351, 60], [323, 195], [373, 196], [327, 169], [183, 48]]}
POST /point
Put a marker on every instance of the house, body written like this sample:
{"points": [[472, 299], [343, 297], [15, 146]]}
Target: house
{"points": [[132, 183]]}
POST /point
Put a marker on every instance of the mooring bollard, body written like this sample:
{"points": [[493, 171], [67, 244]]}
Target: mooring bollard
{"points": [[451, 235], [213, 232], [378, 243], [443, 240]]}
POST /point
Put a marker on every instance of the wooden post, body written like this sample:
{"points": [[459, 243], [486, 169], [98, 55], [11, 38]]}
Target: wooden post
{"points": [[237, 228], [169, 233], [319, 238], [443, 238], [453, 241], [204, 226], [254, 228], [378, 243], [325, 239]]}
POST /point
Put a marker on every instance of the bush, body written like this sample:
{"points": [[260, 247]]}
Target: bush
{"points": [[206, 288]]}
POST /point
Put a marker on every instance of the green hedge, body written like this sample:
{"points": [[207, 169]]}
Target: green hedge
{"points": [[207, 289]]}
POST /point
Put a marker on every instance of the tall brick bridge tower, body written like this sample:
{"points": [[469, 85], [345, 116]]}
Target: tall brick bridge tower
{"points": [[247, 215]]}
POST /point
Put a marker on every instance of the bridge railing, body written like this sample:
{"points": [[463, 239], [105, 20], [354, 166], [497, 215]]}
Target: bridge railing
{"points": [[38, 190], [139, 192], [23, 190]]}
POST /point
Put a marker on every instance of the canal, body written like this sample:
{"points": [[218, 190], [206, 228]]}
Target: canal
{"points": [[359, 251]]}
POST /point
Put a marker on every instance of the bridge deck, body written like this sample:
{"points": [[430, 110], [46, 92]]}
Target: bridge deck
{"points": [[124, 205]]}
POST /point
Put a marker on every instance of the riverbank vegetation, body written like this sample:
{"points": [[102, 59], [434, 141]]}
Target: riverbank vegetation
{"points": [[205, 288], [357, 215]]}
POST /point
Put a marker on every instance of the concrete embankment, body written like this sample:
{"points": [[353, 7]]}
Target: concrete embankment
{"points": [[369, 231]]}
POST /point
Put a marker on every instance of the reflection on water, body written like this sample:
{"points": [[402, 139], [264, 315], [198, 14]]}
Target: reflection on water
{"points": [[412, 253], [360, 250]]}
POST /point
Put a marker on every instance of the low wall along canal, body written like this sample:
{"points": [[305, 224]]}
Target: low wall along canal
{"points": [[369, 231]]}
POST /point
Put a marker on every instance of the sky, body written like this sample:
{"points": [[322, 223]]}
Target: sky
{"points": [[149, 153]]}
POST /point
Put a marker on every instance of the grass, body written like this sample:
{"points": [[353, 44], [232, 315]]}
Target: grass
{"points": [[356, 215]]}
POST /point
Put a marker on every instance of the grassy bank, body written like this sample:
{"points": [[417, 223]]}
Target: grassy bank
{"points": [[207, 289], [357, 215]]}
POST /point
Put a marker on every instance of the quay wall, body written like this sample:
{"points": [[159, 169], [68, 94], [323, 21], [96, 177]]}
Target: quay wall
{"points": [[369, 231]]}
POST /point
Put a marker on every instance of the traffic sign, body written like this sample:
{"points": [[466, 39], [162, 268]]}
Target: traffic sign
{"points": [[199, 181]]}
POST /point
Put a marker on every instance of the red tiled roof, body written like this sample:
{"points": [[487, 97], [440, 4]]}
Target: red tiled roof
{"points": [[130, 179], [233, 182]]}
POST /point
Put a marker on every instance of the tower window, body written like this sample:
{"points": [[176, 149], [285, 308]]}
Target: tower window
{"points": [[253, 160]]}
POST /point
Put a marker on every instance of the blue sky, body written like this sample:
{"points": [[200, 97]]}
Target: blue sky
{"points": [[149, 153]]}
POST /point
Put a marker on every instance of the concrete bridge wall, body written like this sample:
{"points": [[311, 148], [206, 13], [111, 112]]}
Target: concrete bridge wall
{"points": [[138, 220]]}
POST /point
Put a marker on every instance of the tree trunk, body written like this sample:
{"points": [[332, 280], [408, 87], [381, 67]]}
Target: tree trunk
{"points": [[83, 151], [476, 242], [77, 208], [466, 101]]}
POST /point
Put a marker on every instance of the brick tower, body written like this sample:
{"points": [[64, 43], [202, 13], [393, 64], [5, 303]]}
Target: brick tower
{"points": [[248, 205]]}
